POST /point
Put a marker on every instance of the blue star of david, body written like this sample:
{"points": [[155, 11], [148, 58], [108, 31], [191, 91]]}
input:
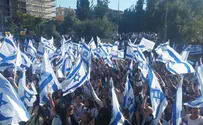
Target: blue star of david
{"points": [[85, 54], [156, 93], [2, 102], [27, 96], [77, 77], [98, 50], [130, 101]]}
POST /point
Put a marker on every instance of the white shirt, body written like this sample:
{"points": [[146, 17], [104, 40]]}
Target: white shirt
{"points": [[189, 121]]}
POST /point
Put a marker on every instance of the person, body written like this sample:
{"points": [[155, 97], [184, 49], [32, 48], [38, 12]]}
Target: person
{"points": [[147, 111], [79, 106], [37, 116], [70, 115], [194, 118], [104, 115], [57, 111], [90, 108], [86, 118]]}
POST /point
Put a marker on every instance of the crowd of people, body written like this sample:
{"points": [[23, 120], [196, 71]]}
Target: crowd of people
{"points": [[81, 108]]}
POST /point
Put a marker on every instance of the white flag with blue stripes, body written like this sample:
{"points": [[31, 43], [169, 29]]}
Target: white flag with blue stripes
{"points": [[92, 44], [101, 53], [76, 78], [85, 53], [129, 98], [47, 45], [177, 106], [8, 54], [48, 81], [185, 53], [135, 53], [22, 61], [27, 95], [158, 99], [198, 102], [12, 108], [117, 116], [31, 51], [114, 51], [174, 61]]}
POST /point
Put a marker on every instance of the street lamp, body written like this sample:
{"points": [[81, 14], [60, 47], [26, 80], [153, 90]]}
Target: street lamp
{"points": [[2, 21]]}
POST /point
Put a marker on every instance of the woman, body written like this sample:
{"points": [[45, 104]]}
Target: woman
{"points": [[90, 108], [70, 116], [194, 118], [104, 115], [86, 118]]}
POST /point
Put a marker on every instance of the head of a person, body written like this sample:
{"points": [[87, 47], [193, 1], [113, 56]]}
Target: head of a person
{"points": [[105, 92], [70, 109], [170, 104], [78, 99], [195, 111], [126, 113], [86, 117], [89, 103], [107, 102]]}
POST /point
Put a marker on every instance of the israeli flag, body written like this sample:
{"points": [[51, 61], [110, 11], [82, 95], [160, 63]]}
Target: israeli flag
{"points": [[174, 62], [8, 54], [129, 98], [76, 78], [66, 67], [117, 116], [179, 68], [135, 53], [92, 44], [114, 52], [48, 81], [85, 52], [158, 99], [101, 53], [27, 95], [31, 51], [185, 53], [144, 68], [12, 109], [177, 106], [198, 102], [22, 61], [47, 45], [108, 47]]}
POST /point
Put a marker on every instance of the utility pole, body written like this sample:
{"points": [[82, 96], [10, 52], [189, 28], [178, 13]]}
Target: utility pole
{"points": [[118, 13], [2, 21], [166, 22]]}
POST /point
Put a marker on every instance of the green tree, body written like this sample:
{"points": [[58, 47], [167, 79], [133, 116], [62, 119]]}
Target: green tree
{"points": [[101, 8], [140, 16], [83, 9]]}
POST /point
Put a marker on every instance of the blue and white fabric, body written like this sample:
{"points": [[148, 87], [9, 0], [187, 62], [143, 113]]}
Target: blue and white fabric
{"points": [[12, 108], [27, 95], [117, 116], [48, 80], [174, 62], [177, 106], [158, 99], [76, 78], [129, 98]]}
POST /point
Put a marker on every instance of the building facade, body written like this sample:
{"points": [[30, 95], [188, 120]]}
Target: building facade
{"points": [[38, 8], [41, 8], [62, 12]]}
